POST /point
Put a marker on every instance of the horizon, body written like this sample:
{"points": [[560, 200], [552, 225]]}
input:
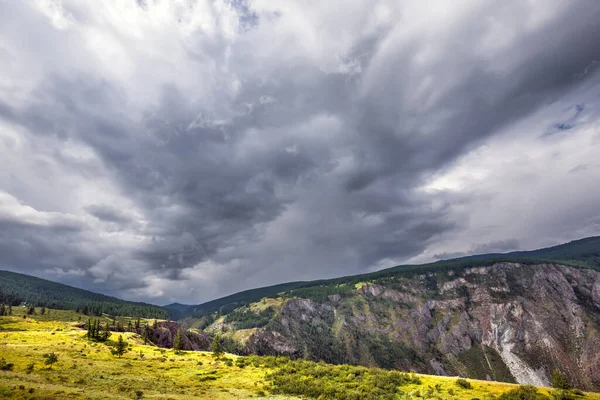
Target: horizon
{"points": [[164, 152], [281, 283]]}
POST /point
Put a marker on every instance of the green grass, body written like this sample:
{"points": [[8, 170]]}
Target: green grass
{"points": [[88, 370]]}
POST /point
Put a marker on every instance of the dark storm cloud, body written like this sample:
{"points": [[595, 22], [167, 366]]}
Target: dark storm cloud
{"points": [[236, 160]]}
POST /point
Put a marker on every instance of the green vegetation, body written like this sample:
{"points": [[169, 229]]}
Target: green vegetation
{"points": [[120, 347], [246, 318], [42, 358], [16, 289], [177, 343], [584, 253], [50, 359], [463, 383], [216, 347], [559, 380]]}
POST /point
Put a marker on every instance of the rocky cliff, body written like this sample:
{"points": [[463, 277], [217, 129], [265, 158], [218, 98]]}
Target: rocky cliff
{"points": [[165, 333], [506, 322]]}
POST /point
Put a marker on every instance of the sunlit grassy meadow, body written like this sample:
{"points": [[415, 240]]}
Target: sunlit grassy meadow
{"points": [[88, 370]]}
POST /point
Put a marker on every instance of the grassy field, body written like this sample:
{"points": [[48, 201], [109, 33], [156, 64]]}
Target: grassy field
{"points": [[88, 370]]}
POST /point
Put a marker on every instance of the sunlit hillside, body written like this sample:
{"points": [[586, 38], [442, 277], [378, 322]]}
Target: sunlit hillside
{"points": [[87, 369]]}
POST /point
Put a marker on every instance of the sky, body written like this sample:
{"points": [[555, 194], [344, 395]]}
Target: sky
{"points": [[180, 151]]}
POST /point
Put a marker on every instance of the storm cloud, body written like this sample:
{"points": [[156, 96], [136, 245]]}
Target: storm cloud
{"points": [[184, 150]]}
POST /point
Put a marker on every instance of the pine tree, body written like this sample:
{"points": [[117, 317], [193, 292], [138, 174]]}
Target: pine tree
{"points": [[31, 310], [129, 327], [51, 358], [137, 324], [89, 329], [177, 344], [120, 347], [2, 309], [106, 333], [560, 381], [146, 333], [216, 346], [43, 311], [10, 309]]}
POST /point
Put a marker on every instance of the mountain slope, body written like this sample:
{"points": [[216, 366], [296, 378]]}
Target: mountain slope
{"points": [[511, 317], [18, 288], [583, 252], [507, 321]]}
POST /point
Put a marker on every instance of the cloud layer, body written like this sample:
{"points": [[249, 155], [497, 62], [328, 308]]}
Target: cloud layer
{"points": [[183, 150]]}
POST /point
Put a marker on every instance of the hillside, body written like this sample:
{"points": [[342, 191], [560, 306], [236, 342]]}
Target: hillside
{"points": [[86, 369], [583, 252], [513, 317], [19, 288]]}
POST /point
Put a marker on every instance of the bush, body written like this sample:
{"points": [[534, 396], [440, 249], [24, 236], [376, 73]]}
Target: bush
{"points": [[463, 383], [30, 368], [318, 380], [5, 366], [523, 392], [560, 381]]}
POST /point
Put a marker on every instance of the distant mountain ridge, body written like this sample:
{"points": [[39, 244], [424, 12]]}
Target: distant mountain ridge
{"points": [[18, 288], [582, 253]]}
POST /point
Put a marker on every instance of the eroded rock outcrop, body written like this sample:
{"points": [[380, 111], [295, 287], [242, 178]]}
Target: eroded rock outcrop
{"points": [[508, 321]]}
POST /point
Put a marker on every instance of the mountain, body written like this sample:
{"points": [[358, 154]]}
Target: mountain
{"points": [[583, 252], [513, 317], [19, 288]]}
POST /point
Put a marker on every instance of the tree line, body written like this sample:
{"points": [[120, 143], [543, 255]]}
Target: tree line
{"points": [[17, 289]]}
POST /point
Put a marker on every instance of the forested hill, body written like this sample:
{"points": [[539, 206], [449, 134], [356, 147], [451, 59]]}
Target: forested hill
{"points": [[18, 288], [583, 253]]}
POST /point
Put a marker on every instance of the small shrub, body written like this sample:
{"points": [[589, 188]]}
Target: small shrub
{"points": [[463, 383], [5, 366], [50, 359], [523, 392], [139, 394], [31, 390], [560, 381]]}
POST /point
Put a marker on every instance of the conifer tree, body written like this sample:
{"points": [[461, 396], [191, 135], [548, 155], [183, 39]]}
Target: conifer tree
{"points": [[177, 344], [10, 309], [146, 333], [216, 346], [120, 347], [106, 333], [51, 358], [89, 329], [560, 381]]}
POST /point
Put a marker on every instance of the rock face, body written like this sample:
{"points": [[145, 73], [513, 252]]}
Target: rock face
{"points": [[506, 322], [165, 332]]}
